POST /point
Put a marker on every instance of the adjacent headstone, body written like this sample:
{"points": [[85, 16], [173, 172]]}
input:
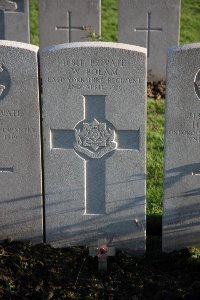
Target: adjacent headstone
{"points": [[94, 144], [181, 214], [68, 21], [153, 24], [14, 20], [20, 151]]}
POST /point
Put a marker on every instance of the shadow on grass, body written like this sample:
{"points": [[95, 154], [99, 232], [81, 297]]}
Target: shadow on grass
{"points": [[154, 225]]}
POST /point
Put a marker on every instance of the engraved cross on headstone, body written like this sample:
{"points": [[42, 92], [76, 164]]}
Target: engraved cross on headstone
{"points": [[69, 28], [94, 139], [148, 31], [6, 6]]}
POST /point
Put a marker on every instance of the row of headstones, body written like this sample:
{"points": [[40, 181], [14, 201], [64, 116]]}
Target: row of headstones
{"points": [[153, 24], [94, 141]]}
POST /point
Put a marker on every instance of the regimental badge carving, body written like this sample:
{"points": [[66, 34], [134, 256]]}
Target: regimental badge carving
{"points": [[197, 84], [2, 87], [8, 5], [5, 82], [95, 139]]}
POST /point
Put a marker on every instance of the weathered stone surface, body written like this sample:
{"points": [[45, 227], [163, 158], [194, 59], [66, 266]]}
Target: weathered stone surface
{"points": [[14, 20], [153, 24], [67, 20], [181, 215], [20, 162], [94, 144]]}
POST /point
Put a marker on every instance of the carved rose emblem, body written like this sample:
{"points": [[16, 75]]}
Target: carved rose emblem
{"points": [[96, 137]]}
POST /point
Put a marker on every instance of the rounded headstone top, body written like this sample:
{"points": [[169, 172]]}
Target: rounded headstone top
{"points": [[20, 45], [186, 47], [97, 45]]}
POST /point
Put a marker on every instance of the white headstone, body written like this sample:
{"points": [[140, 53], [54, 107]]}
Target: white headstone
{"points": [[14, 20], [94, 99], [20, 151], [181, 212], [63, 21], [153, 24]]}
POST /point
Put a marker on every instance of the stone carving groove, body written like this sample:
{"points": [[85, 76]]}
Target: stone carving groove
{"points": [[95, 139], [8, 5]]}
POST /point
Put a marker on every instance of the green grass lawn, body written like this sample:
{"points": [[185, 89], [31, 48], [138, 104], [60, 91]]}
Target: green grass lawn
{"points": [[190, 33]]}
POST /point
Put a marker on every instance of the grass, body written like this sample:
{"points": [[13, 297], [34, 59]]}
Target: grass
{"points": [[190, 33], [155, 153], [190, 22], [109, 20], [34, 22]]}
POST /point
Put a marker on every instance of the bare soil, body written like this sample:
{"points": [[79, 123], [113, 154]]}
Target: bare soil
{"points": [[41, 272], [156, 90]]}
